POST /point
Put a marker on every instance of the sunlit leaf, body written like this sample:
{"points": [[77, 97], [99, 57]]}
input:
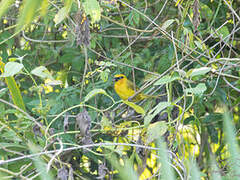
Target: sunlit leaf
{"points": [[63, 12], [198, 71], [44, 7], [4, 5], [28, 13], [223, 32], [12, 68], [42, 72], [92, 8], [104, 75], [61, 15], [136, 107]]}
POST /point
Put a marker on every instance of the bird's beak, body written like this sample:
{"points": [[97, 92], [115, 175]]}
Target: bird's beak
{"points": [[114, 79]]}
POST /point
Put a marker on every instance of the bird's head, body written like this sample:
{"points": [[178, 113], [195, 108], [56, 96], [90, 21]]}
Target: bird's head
{"points": [[118, 77]]}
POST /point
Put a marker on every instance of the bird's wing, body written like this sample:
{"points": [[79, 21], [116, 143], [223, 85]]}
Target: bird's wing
{"points": [[131, 86]]}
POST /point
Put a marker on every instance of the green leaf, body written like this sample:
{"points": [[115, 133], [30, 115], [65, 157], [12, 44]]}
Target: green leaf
{"points": [[39, 163], [27, 13], [14, 89], [92, 8], [224, 32], [136, 17], [60, 16], [198, 90], [41, 72], [12, 68], [4, 5], [215, 171], [95, 92], [232, 144], [104, 75], [166, 169], [125, 172], [198, 71], [166, 79], [167, 23], [63, 12], [136, 107], [198, 44], [156, 130], [3, 91], [161, 106], [105, 64], [194, 171]]}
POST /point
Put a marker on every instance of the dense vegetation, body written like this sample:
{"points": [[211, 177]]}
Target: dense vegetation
{"points": [[61, 118]]}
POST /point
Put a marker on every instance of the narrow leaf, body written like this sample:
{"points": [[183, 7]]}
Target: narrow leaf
{"points": [[215, 171], [136, 107], [166, 79], [4, 5], [198, 71], [167, 23], [233, 147], [39, 163], [14, 89], [166, 170], [28, 13], [94, 93]]}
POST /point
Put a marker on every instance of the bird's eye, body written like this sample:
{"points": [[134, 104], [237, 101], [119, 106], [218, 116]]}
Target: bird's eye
{"points": [[118, 78]]}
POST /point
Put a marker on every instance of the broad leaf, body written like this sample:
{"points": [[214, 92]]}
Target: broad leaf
{"points": [[12, 68], [198, 90], [156, 130], [42, 72], [157, 109], [92, 8]]}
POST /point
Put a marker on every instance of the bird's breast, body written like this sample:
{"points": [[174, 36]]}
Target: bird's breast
{"points": [[123, 90]]}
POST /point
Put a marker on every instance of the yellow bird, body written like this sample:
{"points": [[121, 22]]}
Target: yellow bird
{"points": [[125, 89]]}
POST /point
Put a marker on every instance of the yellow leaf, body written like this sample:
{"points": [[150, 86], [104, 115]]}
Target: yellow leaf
{"points": [[137, 108]]}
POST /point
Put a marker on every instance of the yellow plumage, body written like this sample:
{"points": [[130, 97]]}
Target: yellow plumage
{"points": [[125, 89]]}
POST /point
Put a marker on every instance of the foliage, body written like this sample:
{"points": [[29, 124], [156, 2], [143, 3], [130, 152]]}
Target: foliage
{"points": [[59, 114]]}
